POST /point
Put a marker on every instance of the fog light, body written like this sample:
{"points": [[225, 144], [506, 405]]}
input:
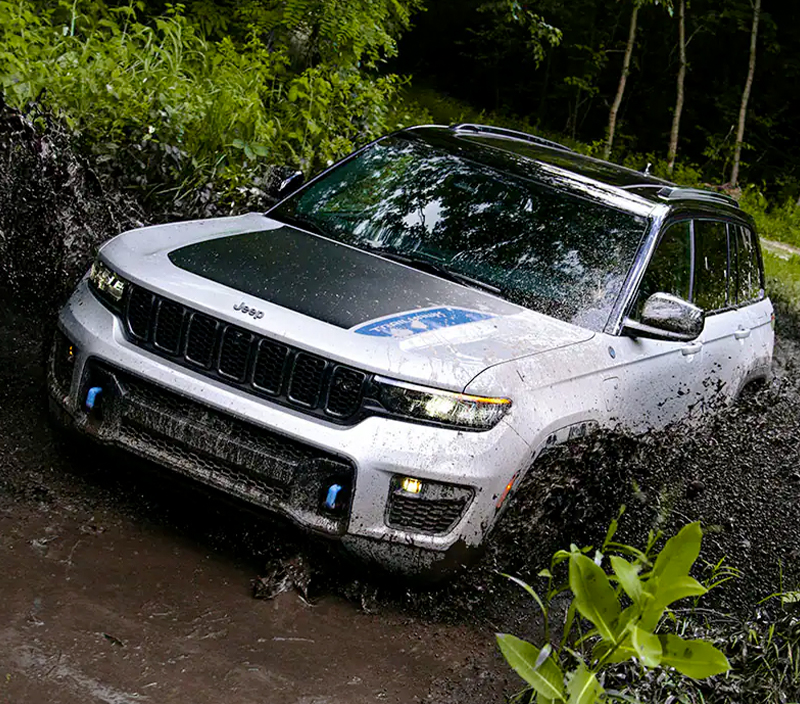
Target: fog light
{"points": [[411, 486]]}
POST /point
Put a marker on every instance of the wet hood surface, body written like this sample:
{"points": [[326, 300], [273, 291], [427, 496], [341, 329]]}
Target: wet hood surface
{"points": [[342, 302], [324, 279]]}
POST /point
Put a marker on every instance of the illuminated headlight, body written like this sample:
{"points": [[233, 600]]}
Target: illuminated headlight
{"points": [[108, 285], [436, 406]]}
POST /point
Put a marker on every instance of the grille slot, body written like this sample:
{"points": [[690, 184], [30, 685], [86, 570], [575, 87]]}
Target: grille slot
{"points": [[140, 307], [435, 516], [201, 339], [344, 395], [234, 353], [270, 365], [169, 321], [239, 358], [306, 383]]}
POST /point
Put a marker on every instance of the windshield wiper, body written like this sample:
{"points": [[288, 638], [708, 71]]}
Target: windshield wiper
{"points": [[436, 268]]}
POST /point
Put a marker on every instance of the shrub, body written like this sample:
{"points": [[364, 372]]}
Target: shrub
{"points": [[625, 610], [185, 120]]}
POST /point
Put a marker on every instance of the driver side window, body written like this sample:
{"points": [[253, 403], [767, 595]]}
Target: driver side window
{"points": [[670, 268]]}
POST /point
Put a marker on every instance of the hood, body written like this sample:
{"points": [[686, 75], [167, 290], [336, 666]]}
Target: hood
{"points": [[338, 301]]}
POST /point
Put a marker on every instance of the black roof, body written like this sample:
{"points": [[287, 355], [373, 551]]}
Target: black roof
{"points": [[651, 188]]}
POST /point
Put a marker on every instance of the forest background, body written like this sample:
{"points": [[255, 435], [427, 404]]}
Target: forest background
{"points": [[190, 107]]}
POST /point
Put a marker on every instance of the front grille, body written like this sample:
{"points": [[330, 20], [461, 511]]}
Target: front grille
{"points": [[243, 459], [253, 363], [434, 510], [205, 467]]}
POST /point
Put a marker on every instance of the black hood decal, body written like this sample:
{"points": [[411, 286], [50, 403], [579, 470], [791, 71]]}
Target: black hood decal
{"points": [[324, 279]]}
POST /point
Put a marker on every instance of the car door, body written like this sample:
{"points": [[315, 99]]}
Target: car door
{"points": [[727, 336], [752, 301], [659, 381]]}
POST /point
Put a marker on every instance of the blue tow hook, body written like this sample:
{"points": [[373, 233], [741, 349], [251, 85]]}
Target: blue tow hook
{"points": [[330, 499], [91, 397]]}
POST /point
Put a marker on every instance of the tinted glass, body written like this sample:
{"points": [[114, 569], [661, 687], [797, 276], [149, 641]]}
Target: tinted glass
{"points": [[670, 268], [748, 273], [711, 264], [563, 253]]}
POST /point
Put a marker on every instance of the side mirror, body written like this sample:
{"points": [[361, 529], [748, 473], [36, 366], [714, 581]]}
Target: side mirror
{"points": [[282, 181], [667, 317], [291, 183]]}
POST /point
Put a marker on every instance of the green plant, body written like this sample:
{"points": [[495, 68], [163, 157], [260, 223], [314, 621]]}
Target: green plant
{"points": [[625, 610], [186, 121]]}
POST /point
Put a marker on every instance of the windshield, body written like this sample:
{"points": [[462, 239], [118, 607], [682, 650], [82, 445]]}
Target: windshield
{"points": [[561, 253]]}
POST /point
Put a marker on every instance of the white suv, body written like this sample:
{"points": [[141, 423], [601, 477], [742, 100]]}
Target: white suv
{"points": [[383, 355]]}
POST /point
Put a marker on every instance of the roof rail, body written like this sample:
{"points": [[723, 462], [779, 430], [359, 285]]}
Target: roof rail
{"points": [[508, 133], [670, 193]]}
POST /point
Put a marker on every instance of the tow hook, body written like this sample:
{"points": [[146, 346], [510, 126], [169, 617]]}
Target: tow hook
{"points": [[92, 397]]}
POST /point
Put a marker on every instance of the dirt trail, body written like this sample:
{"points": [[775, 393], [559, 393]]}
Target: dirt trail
{"points": [[119, 587]]}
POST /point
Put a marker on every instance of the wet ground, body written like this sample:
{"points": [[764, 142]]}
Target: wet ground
{"points": [[120, 585]]}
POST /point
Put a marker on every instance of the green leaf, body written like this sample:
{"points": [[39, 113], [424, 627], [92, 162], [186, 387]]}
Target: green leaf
{"points": [[679, 554], [547, 680], [594, 596], [528, 588], [583, 687], [612, 528], [647, 647], [666, 593], [606, 652], [625, 618], [628, 577], [694, 658]]}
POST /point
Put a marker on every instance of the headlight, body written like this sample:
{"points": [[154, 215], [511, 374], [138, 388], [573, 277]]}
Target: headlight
{"points": [[436, 406], [109, 286]]}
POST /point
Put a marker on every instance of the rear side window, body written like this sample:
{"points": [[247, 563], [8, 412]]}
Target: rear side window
{"points": [[748, 278], [670, 269], [711, 264]]}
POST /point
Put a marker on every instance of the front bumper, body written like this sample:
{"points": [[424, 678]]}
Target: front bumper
{"points": [[282, 459]]}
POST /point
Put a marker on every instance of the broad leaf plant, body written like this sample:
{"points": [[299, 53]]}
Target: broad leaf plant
{"points": [[625, 609]]}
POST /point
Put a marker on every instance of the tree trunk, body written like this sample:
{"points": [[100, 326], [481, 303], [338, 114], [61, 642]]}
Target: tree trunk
{"points": [[676, 117], [626, 66], [737, 154]]}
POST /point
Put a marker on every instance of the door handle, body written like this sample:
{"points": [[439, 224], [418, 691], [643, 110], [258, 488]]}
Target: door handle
{"points": [[742, 333], [689, 350]]}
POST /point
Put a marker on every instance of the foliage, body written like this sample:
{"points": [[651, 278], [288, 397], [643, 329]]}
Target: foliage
{"points": [[779, 221], [179, 116], [507, 16], [313, 31], [625, 610]]}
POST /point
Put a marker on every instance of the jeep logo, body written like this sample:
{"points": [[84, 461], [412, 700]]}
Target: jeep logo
{"points": [[247, 310]]}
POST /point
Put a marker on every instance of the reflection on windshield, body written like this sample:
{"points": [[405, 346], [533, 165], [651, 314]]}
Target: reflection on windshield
{"points": [[557, 252]]}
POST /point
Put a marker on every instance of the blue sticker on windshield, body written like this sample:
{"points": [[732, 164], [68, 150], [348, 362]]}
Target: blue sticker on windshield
{"points": [[415, 322]]}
